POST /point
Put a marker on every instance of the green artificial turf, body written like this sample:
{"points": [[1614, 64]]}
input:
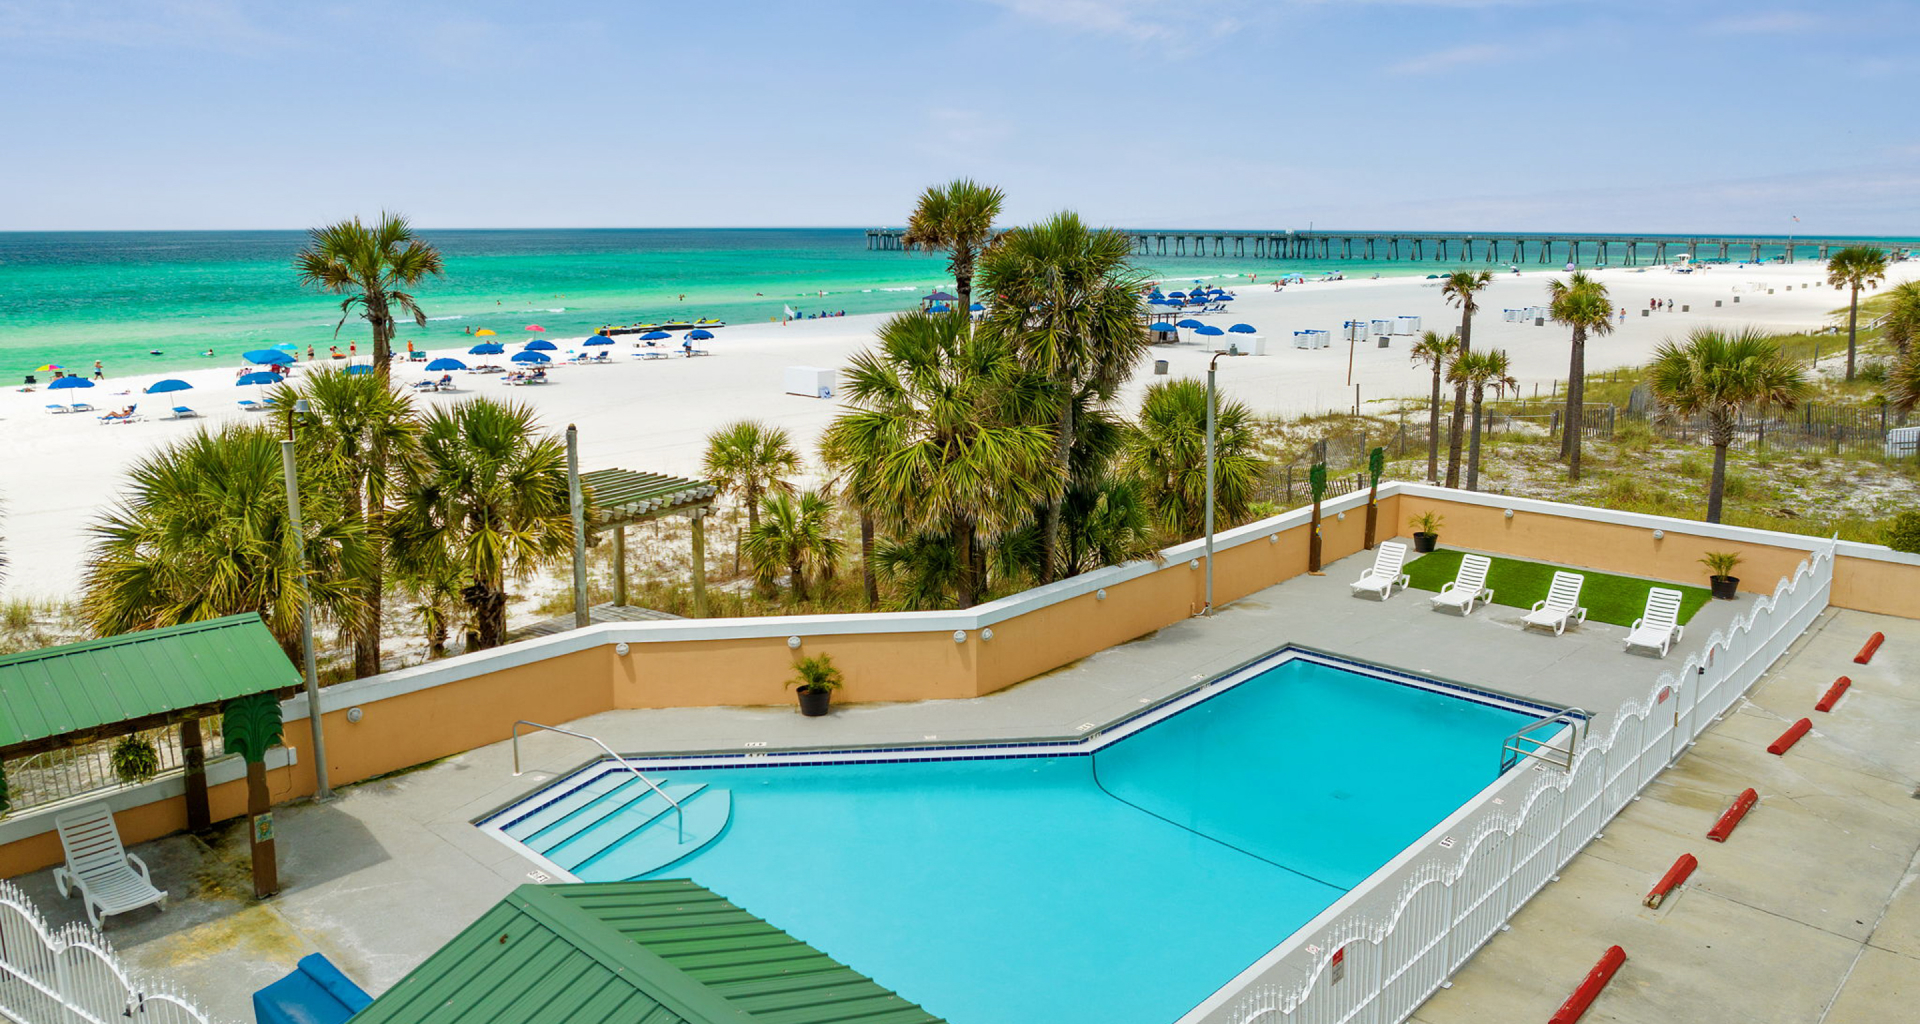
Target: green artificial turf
{"points": [[1607, 598]]}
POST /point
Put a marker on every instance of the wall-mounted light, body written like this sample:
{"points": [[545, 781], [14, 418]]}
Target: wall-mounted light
{"points": [[987, 634], [793, 643], [1659, 534], [621, 649], [1100, 595], [959, 636], [1273, 538], [1509, 513], [1340, 517], [1194, 564], [355, 714]]}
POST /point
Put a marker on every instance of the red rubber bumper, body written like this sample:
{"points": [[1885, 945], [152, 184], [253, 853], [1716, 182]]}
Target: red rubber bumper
{"points": [[1672, 879], [1741, 805], [1866, 651], [1597, 979], [1790, 737], [1833, 694]]}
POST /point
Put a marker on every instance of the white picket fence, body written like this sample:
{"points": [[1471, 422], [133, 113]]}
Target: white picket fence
{"points": [[1377, 968], [70, 975]]}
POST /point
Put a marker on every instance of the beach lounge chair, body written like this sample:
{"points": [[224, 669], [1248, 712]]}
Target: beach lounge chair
{"points": [[1385, 572], [82, 407], [653, 353], [1660, 625], [1561, 603], [249, 405], [1468, 585], [181, 412], [122, 417], [56, 408], [110, 880]]}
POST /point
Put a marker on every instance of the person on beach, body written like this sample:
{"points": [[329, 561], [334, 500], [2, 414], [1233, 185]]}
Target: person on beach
{"points": [[99, 371], [309, 353], [353, 349]]}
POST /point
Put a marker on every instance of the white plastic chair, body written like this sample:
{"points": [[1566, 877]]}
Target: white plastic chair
{"points": [[1387, 560], [1468, 585], [1660, 626], [110, 880], [1561, 603]]}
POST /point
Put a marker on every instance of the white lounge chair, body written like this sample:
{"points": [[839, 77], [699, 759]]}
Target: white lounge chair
{"points": [[1468, 585], [110, 880], [1660, 625], [1387, 559], [56, 408], [181, 412], [249, 405], [1561, 603]]}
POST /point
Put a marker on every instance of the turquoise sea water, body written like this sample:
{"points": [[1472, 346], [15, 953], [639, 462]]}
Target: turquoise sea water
{"points": [[1117, 888]]}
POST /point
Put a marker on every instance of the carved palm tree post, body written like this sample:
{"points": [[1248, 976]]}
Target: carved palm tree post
{"points": [[1376, 464], [1316, 479], [251, 725]]}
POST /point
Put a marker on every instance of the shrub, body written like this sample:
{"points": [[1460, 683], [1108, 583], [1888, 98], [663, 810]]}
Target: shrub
{"points": [[1721, 563], [1903, 532], [1427, 522], [1693, 467], [134, 760], [815, 674]]}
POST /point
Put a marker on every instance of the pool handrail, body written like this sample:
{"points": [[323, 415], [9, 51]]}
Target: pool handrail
{"points": [[680, 814], [1522, 744]]}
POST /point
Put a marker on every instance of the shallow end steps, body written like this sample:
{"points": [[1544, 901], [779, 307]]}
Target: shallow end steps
{"points": [[607, 825], [657, 845]]}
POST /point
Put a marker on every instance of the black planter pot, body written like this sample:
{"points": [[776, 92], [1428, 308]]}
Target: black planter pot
{"points": [[1424, 542], [1726, 588], [814, 703]]}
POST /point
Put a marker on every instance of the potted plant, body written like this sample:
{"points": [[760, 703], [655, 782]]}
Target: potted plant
{"points": [[134, 760], [1426, 530], [815, 679], [1720, 564]]}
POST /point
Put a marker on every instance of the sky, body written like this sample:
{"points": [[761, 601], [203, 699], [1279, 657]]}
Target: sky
{"points": [[1525, 115]]}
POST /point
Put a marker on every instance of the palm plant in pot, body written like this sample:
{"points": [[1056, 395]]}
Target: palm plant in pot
{"points": [[815, 679], [1426, 530], [1720, 566], [134, 759]]}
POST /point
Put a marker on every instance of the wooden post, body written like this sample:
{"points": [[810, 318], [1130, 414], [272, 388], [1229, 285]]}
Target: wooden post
{"points": [[194, 753], [266, 865], [1317, 479], [620, 566], [699, 563], [582, 613]]}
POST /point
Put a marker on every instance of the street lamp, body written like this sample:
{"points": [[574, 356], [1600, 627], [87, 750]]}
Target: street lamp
{"points": [[321, 790], [1160, 369]]}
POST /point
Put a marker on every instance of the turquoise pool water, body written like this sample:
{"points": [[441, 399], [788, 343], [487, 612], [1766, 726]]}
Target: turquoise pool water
{"points": [[1117, 887]]}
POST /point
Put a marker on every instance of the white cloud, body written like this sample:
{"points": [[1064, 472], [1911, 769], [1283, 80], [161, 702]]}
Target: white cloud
{"points": [[177, 24], [1448, 59], [1140, 20], [1764, 23]]}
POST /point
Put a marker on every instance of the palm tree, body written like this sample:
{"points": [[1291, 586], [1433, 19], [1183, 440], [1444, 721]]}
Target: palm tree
{"points": [[948, 425], [1436, 352], [796, 535], [1902, 322], [1718, 374], [858, 483], [1853, 268], [1476, 371], [920, 570], [1166, 455], [957, 217], [370, 265], [358, 435], [750, 459], [487, 497], [1067, 301], [1580, 302], [202, 532], [1903, 381], [1462, 288]]}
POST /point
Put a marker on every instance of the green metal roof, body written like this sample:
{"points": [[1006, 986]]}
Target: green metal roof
{"points": [[73, 688], [620, 496], [665, 951]]}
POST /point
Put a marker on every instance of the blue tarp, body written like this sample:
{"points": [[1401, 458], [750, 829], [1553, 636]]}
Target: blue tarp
{"points": [[315, 993]]}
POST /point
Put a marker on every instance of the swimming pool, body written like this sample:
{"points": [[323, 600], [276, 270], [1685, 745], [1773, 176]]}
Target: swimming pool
{"points": [[1115, 880]]}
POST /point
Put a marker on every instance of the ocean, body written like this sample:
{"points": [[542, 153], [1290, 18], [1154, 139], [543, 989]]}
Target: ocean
{"points": [[142, 302]]}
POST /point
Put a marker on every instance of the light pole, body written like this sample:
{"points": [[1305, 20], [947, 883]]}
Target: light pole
{"points": [[321, 790], [1212, 365]]}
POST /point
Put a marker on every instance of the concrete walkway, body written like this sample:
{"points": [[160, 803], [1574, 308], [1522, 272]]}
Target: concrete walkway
{"points": [[1808, 915], [382, 876]]}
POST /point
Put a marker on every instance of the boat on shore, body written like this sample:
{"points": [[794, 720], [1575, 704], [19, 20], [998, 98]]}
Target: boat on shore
{"points": [[672, 325]]}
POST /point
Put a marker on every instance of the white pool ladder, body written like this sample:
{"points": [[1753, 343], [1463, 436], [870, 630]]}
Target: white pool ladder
{"points": [[680, 814]]}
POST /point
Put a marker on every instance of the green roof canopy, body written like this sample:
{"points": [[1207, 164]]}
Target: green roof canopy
{"points": [[137, 679], [665, 951], [619, 497]]}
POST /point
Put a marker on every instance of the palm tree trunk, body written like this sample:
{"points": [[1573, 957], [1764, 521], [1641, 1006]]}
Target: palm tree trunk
{"points": [[1573, 366], [1576, 417], [1853, 320], [867, 581], [1459, 404], [1718, 485], [489, 603], [960, 533], [1433, 427], [796, 581], [1050, 529], [382, 324], [1473, 449]]}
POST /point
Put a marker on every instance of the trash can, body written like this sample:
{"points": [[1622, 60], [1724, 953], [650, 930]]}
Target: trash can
{"points": [[1159, 367]]}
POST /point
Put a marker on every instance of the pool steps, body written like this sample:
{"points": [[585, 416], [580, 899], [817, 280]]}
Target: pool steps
{"points": [[616, 813]]}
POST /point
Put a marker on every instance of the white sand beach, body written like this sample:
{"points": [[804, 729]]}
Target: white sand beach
{"points": [[654, 415]]}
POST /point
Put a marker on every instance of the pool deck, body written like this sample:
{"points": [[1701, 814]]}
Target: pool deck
{"points": [[383, 875]]}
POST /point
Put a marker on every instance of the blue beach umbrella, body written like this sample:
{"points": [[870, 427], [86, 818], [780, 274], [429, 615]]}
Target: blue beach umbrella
{"points": [[1223, 298], [1243, 329], [540, 345], [976, 308], [598, 339], [699, 334], [1176, 295], [269, 357], [70, 382], [161, 387], [1209, 330], [530, 357], [486, 348], [1158, 300], [1161, 328], [938, 307], [1189, 323], [445, 363], [287, 346], [355, 371], [258, 377], [655, 336]]}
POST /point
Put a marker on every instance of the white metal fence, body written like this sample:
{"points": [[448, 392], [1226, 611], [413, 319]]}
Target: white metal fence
{"points": [[1377, 968], [67, 773], [70, 975]]}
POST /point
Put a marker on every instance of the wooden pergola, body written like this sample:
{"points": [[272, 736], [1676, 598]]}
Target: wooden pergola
{"points": [[619, 498]]}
